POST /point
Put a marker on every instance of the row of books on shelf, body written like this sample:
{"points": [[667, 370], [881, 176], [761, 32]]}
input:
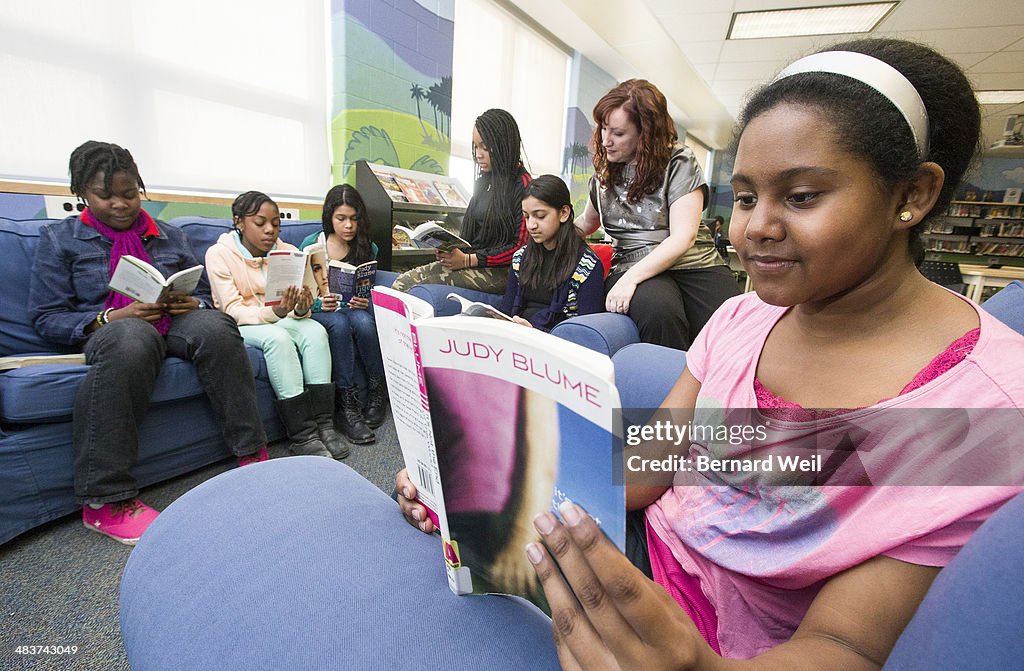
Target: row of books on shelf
{"points": [[979, 248], [1006, 229], [942, 226], [402, 189], [1000, 248], [986, 211]]}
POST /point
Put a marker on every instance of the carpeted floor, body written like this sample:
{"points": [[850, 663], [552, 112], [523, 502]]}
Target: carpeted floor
{"points": [[59, 582]]}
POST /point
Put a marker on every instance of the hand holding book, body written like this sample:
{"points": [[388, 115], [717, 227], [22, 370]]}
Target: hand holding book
{"points": [[415, 513], [178, 303], [294, 299]]}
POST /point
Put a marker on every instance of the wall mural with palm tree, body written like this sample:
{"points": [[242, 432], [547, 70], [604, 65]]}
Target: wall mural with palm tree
{"points": [[393, 85], [577, 160]]}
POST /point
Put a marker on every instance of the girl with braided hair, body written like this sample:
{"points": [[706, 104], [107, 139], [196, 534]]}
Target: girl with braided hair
{"points": [[494, 222], [126, 342], [295, 347]]}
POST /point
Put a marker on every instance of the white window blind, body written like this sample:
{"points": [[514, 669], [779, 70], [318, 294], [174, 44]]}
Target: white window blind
{"points": [[499, 61], [210, 96]]}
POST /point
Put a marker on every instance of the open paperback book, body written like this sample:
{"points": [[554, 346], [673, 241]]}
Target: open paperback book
{"points": [[477, 309], [286, 267], [497, 422], [142, 282], [347, 280], [431, 235], [12, 362]]}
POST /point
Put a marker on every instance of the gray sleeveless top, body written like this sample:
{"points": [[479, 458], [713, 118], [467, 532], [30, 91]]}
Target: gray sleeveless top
{"points": [[637, 228]]}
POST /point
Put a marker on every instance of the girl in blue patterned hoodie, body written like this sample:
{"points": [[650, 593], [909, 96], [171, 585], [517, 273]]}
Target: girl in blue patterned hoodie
{"points": [[555, 275]]}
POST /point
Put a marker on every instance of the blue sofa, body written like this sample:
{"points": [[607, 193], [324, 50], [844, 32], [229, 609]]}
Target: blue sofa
{"points": [[36, 401]]}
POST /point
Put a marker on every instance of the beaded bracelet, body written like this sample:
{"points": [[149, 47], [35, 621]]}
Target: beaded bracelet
{"points": [[103, 318]]}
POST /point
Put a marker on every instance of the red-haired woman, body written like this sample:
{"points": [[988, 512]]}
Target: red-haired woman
{"points": [[649, 194]]}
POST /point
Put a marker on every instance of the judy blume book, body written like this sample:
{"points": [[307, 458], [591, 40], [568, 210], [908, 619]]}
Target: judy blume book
{"points": [[477, 309], [431, 235], [142, 282], [497, 423], [347, 280]]}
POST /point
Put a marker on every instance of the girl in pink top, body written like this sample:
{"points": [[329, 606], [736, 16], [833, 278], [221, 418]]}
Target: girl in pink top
{"points": [[840, 161]]}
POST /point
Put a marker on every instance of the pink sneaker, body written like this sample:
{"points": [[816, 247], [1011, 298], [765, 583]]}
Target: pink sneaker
{"points": [[124, 521], [254, 458]]}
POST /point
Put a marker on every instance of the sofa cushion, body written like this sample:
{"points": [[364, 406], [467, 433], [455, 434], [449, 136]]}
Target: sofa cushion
{"points": [[971, 617], [202, 232], [18, 240], [1008, 305], [604, 332], [46, 393]]}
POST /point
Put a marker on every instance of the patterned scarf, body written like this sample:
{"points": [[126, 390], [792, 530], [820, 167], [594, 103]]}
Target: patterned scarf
{"points": [[127, 242]]}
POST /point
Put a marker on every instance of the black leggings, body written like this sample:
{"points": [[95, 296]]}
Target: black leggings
{"points": [[636, 542], [670, 309]]}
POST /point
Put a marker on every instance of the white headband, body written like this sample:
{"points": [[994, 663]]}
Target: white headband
{"points": [[880, 76]]}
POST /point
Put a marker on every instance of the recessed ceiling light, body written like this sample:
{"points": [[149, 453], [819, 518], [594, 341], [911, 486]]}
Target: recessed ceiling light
{"points": [[832, 20], [1000, 97]]}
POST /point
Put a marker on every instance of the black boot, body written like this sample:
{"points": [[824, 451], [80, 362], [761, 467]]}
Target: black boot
{"points": [[296, 414], [350, 418], [376, 401], [322, 399]]}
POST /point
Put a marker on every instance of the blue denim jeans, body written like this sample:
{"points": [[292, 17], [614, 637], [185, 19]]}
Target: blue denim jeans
{"points": [[125, 357], [352, 333]]}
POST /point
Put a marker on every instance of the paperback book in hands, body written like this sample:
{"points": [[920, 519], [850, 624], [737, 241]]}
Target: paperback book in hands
{"points": [[347, 280], [477, 309], [142, 282], [285, 268], [497, 423], [431, 235]]}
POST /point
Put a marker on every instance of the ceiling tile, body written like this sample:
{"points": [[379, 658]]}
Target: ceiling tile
{"points": [[941, 14], [706, 70], [659, 7], [764, 5], [1006, 81], [749, 70], [1005, 61], [702, 52], [777, 49], [962, 40], [735, 88], [707, 26], [967, 60]]}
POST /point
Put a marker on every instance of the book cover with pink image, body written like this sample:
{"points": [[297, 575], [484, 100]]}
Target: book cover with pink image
{"points": [[497, 423]]}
